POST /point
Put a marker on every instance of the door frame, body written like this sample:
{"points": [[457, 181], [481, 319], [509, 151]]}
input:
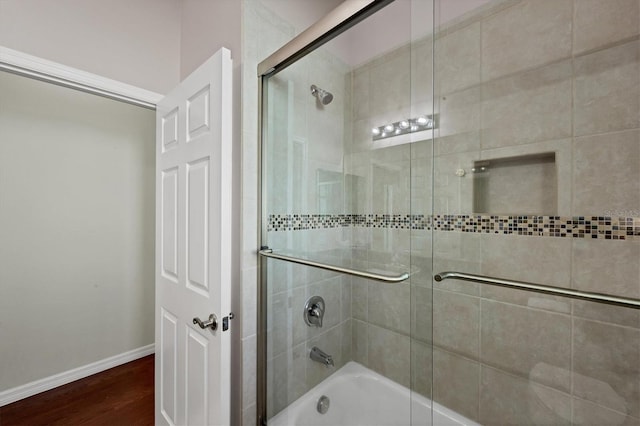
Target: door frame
{"points": [[34, 67], [21, 63]]}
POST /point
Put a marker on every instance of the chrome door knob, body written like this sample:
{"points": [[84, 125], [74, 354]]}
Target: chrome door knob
{"points": [[212, 322]]}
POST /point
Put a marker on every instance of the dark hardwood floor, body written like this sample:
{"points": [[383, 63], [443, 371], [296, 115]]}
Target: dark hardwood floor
{"points": [[119, 396]]}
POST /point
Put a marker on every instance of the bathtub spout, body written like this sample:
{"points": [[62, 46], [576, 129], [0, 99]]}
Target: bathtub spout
{"points": [[319, 356]]}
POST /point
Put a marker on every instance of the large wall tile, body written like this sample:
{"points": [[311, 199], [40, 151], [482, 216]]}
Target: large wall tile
{"points": [[586, 413], [606, 174], [249, 301], [360, 299], [599, 23], [249, 226], [390, 83], [456, 323], [286, 379], [607, 365], [421, 270], [542, 260], [346, 297], [607, 90], [509, 400], [527, 107], [390, 189], [359, 139], [606, 266], [421, 71], [456, 246], [421, 314], [420, 192], [421, 150], [249, 370], [346, 350], [530, 343], [390, 248], [458, 59], [453, 194], [388, 353], [457, 251], [277, 328], [459, 113], [421, 368], [360, 93], [388, 306], [461, 142], [607, 313], [526, 35], [456, 383], [360, 342]]}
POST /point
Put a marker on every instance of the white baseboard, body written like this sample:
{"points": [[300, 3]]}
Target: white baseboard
{"points": [[35, 387]]}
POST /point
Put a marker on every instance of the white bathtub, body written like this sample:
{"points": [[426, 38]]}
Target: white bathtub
{"points": [[359, 396]]}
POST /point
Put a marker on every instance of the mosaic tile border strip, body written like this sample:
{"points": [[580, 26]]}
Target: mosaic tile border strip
{"points": [[595, 227], [297, 222]]}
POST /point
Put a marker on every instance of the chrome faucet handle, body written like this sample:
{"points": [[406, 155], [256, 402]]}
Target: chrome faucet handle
{"points": [[317, 312], [314, 310]]}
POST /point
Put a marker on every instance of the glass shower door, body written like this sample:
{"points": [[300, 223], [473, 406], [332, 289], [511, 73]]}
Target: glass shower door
{"points": [[537, 179], [346, 183]]}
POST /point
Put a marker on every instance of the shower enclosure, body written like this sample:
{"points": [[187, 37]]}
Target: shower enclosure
{"points": [[450, 215]]}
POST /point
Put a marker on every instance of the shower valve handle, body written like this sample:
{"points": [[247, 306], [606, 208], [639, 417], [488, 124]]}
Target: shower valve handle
{"points": [[314, 310]]}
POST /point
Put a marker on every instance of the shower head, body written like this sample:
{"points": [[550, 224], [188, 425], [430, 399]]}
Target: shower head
{"points": [[322, 95]]}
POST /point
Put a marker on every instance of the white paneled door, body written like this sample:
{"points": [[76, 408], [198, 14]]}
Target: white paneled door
{"points": [[193, 248]]}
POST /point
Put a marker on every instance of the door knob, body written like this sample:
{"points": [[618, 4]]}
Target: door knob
{"points": [[212, 322]]}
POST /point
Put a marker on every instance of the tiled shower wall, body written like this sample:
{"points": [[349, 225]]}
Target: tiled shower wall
{"points": [[517, 78]]}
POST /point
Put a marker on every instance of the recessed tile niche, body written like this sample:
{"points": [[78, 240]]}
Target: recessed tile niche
{"points": [[522, 185]]}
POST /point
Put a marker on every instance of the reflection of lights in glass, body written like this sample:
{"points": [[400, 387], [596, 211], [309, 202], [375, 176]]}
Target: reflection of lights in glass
{"points": [[422, 120], [398, 131], [414, 128], [389, 128], [375, 131], [404, 124]]}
